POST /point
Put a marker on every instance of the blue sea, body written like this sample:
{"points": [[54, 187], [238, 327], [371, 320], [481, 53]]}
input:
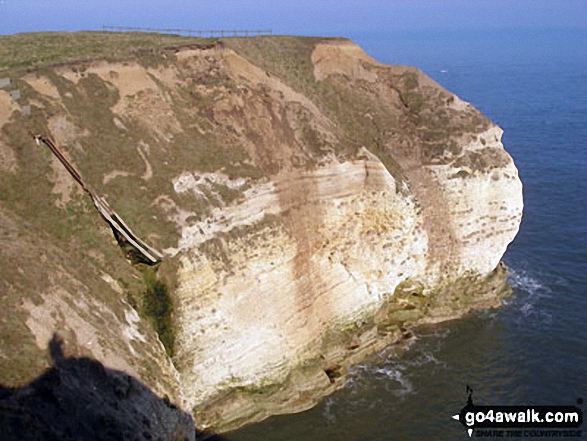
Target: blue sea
{"points": [[533, 350]]}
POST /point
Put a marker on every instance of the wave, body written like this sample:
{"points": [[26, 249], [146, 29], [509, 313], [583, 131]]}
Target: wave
{"points": [[520, 279], [529, 294], [397, 373], [393, 378], [328, 414], [393, 371]]}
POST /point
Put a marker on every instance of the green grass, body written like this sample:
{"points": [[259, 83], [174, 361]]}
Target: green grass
{"points": [[21, 51], [347, 103], [289, 59], [157, 306]]}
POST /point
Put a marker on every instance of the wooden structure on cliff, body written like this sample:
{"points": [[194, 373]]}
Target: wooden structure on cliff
{"points": [[121, 230]]}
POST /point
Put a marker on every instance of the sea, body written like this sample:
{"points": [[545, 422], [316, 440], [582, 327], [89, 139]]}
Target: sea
{"points": [[533, 349]]}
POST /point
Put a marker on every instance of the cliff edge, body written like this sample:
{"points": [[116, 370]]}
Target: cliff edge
{"points": [[311, 203]]}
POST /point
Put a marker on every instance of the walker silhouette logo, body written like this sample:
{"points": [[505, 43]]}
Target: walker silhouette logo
{"points": [[520, 421]]}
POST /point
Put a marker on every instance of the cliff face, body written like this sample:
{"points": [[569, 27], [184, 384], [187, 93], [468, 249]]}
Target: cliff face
{"points": [[312, 204]]}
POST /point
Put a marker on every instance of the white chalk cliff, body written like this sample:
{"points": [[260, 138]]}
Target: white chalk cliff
{"points": [[311, 250]]}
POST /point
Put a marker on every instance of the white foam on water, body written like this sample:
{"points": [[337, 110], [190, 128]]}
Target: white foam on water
{"points": [[426, 358], [393, 372], [521, 280], [419, 356], [392, 377], [529, 292], [328, 413], [399, 385]]}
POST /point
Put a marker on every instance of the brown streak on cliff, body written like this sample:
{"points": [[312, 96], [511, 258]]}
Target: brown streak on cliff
{"points": [[436, 216], [302, 217]]}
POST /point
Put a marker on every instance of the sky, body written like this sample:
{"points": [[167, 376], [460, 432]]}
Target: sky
{"points": [[293, 17]]}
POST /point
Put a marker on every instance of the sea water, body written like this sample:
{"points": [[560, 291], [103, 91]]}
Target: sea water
{"points": [[532, 350]]}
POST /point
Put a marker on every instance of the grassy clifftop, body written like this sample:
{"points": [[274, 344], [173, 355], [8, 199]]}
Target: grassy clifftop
{"points": [[35, 50]]}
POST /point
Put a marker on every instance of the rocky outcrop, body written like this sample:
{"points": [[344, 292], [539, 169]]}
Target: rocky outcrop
{"points": [[313, 205]]}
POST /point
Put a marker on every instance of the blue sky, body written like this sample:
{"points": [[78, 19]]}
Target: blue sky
{"points": [[307, 17]]}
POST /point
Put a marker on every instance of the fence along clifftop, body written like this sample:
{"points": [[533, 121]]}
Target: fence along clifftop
{"points": [[194, 32]]}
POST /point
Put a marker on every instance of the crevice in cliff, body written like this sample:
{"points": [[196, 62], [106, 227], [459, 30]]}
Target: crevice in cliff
{"points": [[130, 252], [333, 372], [156, 306]]}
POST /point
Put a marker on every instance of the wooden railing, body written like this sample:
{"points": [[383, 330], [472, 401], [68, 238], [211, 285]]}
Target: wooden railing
{"points": [[107, 213]]}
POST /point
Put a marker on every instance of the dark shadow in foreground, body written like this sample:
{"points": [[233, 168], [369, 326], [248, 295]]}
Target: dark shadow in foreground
{"points": [[80, 399]]}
